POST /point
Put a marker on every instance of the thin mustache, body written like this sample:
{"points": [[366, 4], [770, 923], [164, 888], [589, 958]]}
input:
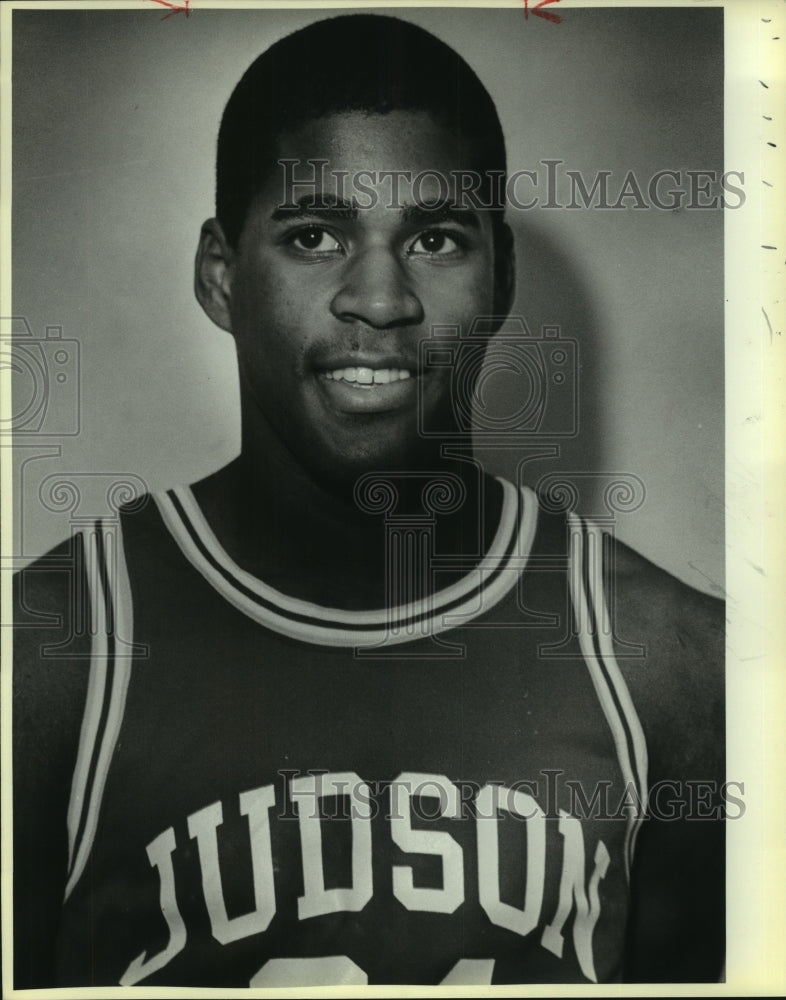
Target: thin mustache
{"points": [[361, 353]]}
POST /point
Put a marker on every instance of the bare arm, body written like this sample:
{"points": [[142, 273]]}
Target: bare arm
{"points": [[677, 930], [48, 694]]}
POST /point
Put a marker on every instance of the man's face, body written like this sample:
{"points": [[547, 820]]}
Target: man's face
{"points": [[329, 303]]}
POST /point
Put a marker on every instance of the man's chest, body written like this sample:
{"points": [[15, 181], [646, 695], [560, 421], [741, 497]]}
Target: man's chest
{"points": [[397, 816]]}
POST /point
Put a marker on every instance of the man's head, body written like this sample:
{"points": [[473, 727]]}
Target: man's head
{"points": [[329, 296], [361, 62]]}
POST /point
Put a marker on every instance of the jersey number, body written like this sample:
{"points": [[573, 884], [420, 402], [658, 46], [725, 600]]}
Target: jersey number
{"points": [[338, 970]]}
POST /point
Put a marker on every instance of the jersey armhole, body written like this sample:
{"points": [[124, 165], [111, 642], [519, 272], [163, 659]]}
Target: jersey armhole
{"points": [[111, 653], [588, 582]]}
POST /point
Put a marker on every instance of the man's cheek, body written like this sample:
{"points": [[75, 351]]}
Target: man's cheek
{"points": [[465, 304]]}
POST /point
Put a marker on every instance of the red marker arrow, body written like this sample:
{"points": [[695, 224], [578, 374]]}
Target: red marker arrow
{"points": [[554, 18], [178, 8]]}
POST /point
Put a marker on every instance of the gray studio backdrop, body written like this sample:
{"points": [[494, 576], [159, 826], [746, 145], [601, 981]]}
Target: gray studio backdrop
{"points": [[115, 120]]}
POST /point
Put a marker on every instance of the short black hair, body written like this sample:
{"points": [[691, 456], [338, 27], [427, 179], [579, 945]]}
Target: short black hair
{"points": [[356, 62]]}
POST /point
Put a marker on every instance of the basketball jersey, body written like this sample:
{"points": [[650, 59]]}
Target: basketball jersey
{"points": [[269, 792]]}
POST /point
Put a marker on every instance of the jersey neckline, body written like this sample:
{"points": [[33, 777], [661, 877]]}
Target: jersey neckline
{"points": [[475, 593]]}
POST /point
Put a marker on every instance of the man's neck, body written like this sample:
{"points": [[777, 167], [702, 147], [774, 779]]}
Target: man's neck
{"points": [[374, 541]]}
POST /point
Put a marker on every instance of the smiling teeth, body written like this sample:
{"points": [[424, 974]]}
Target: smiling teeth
{"points": [[369, 376]]}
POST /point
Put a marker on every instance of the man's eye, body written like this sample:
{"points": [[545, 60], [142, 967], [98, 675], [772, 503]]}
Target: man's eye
{"points": [[435, 243], [314, 240]]}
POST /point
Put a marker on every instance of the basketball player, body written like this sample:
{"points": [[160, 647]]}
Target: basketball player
{"points": [[350, 710]]}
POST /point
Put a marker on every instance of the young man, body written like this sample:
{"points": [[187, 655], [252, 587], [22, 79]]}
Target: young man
{"points": [[350, 710]]}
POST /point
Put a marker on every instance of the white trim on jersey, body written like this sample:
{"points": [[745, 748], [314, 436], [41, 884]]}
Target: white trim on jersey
{"points": [[593, 627], [95, 694], [595, 537], [477, 592], [111, 616], [111, 620]]}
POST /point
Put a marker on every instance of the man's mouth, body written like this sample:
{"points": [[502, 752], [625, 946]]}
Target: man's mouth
{"points": [[363, 377], [375, 385]]}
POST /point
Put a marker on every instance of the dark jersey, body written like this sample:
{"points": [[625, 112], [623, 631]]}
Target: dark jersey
{"points": [[270, 792]]}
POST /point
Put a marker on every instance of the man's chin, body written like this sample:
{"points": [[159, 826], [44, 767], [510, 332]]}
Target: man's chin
{"points": [[343, 473]]}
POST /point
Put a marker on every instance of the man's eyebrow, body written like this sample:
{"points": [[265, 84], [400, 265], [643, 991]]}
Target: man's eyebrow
{"points": [[329, 207], [315, 206], [422, 215]]}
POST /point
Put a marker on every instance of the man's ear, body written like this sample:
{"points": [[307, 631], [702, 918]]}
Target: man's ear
{"points": [[504, 270], [213, 268]]}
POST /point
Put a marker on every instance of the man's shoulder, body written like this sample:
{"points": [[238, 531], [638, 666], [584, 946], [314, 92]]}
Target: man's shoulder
{"points": [[55, 595], [138, 521], [668, 610], [45, 585]]}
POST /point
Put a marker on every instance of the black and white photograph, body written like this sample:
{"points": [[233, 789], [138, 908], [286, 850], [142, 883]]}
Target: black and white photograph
{"points": [[381, 541]]}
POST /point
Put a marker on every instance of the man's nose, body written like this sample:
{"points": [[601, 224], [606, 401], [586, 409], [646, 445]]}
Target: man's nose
{"points": [[375, 289]]}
